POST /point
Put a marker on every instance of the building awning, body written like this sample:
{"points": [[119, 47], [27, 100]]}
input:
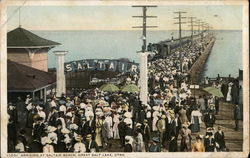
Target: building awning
{"points": [[27, 79], [21, 38]]}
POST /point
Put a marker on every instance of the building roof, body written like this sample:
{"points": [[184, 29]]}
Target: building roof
{"points": [[21, 38], [25, 78]]}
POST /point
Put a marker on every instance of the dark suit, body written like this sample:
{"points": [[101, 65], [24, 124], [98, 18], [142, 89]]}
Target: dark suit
{"points": [[172, 145], [75, 120], [146, 133], [39, 130], [53, 119], [35, 147], [128, 148], [89, 128], [91, 146], [177, 127], [237, 117], [171, 129], [209, 120], [23, 139], [60, 147], [209, 144], [129, 131], [219, 138], [122, 132], [142, 116]]}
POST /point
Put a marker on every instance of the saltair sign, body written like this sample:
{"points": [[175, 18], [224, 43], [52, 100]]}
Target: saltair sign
{"points": [[101, 65]]}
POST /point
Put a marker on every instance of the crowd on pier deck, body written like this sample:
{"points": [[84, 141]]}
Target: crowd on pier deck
{"points": [[86, 122]]}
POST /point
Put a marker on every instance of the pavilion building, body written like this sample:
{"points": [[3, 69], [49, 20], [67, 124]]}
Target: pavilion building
{"points": [[27, 65]]}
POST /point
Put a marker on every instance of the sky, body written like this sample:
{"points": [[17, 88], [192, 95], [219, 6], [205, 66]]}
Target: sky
{"points": [[221, 17]]}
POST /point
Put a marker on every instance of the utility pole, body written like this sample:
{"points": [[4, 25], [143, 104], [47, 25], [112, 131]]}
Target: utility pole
{"points": [[192, 25], [202, 29], [198, 22], [143, 81], [19, 17], [144, 23], [180, 17]]}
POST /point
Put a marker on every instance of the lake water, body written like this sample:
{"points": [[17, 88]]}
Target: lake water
{"points": [[225, 58]]}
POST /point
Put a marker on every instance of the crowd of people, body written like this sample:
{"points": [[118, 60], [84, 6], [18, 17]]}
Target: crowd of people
{"points": [[91, 120]]}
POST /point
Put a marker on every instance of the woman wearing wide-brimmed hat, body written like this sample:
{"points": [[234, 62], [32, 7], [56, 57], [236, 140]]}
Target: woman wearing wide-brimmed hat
{"points": [[155, 146], [98, 129], [185, 137]]}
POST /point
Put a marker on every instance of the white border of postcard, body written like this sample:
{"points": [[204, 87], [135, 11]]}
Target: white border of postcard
{"points": [[3, 75]]}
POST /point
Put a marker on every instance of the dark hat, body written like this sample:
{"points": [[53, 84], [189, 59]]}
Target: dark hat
{"points": [[39, 119], [210, 133]]}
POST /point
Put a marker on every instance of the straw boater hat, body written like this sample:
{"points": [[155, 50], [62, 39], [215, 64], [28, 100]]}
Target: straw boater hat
{"points": [[127, 115], [89, 136], [51, 129], [163, 116], [138, 125], [98, 110], [73, 126], [128, 121], [156, 108], [69, 114], [89, 113], [99, 113], [65, 131], [78, 138]]}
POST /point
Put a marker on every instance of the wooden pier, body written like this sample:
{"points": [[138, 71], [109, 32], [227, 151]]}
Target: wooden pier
{"points": [[197, 68]]}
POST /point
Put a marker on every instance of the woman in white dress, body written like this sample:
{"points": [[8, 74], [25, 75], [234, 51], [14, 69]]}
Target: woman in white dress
{"points": [[229, 97], [155, 119], [115, 127], [110, 122], [48, 148]]}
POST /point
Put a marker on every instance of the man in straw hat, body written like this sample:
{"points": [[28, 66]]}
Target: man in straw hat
{"points": [[91, 145], [161, 126]]}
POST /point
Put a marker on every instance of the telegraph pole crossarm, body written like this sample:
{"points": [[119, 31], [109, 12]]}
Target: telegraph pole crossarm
{"points": [[192, 25], [180, 18], [144, 23]]}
